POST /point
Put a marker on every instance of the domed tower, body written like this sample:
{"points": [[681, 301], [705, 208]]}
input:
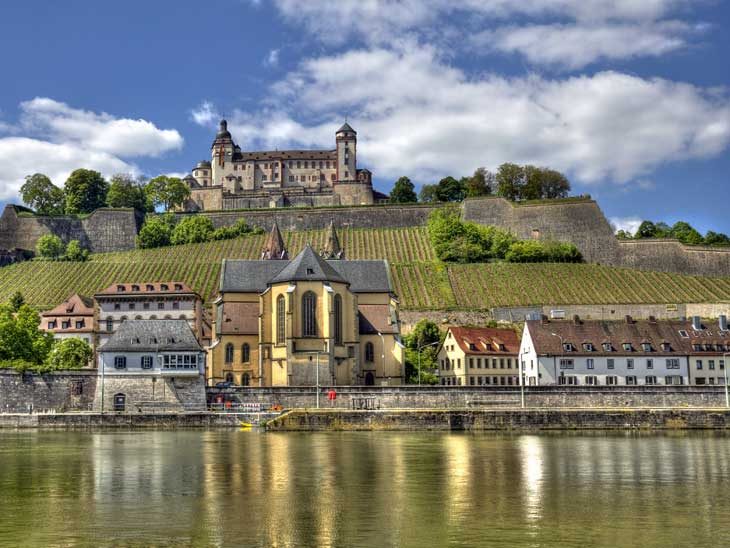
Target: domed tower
{"points": [[346, 139], [222, 154]]}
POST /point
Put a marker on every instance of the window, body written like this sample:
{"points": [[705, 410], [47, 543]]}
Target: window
{"points": [[627, 347], [631, 380], [146, 306], [711, 380], [160, 306], [370, 354], [673, 363], [646, 347], [673, 379], [121, 288], [245, 353], [629, 363], [650, 364], [309, 314], [52, 324], [164, 287], [591, 380], [245, 379], [120, 362], [566, 364], [699, 364], [117, 306], [588, 347], [607, 347], [650, 379], [229, 353], [570, 380], [109, 324], [589, 363], [176, 305], [131, 306], [280, 319], [65, 324], [611, 380], [567, 347], [683, 334], [609, 363], [666, 347], [146, 362], [711, 364], [338, 319], [722, 365], [699, 380]]}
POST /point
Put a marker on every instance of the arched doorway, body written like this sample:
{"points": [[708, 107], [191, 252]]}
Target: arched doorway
{"points": [[245, 379], [229, 377], [120, 402], [369, 379]]}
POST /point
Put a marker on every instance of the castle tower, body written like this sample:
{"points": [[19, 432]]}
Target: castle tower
{"points": [[274, 247], [333, 249], [222, 155], [346, 139]]}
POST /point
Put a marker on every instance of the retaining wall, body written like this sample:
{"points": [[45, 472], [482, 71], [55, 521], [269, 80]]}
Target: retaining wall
{"points": [[58, 391]]}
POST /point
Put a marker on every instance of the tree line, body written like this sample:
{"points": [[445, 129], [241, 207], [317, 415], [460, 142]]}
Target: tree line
{"points": [[681, 230], [86, 190], [511, 181]]}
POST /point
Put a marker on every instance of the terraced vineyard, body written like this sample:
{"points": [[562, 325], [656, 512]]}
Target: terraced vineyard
{"points": [[420, 281]]}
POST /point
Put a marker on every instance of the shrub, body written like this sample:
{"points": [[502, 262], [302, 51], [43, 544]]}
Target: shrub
{"points": [[527, 251], [71, 353], [50, 246], [192, 230], [239, 228], [156, 232], [74, 252]]}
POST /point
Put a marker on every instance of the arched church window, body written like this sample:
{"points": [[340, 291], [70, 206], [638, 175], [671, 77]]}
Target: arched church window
{"points": [[309, 314]]}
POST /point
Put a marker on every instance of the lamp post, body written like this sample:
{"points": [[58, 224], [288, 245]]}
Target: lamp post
{"points": [[724, 367], [555, 361], [419, 358]]}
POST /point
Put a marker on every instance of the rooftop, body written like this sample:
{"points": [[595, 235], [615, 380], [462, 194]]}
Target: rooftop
{"points": [[146, 288], [486, 340], [152, 336]]}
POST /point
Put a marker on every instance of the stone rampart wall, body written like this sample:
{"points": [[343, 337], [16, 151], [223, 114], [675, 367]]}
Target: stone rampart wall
{"points": [[67, 391]]}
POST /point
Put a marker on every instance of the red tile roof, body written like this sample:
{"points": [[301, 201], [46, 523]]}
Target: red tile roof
{"points": [[486, 340], [375, 318], [239, 319], [75, 305], [146, 288]]}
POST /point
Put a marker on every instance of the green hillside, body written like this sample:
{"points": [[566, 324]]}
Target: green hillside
{"points": [[420, 281]]}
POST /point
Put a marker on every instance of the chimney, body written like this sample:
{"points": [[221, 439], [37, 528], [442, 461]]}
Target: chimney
{"points": [[629, 319], [696, 323], [723, 323], [576, 319]]}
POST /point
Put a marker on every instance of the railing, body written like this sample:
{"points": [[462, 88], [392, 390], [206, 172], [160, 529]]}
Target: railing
{"points": [[239, 407]]}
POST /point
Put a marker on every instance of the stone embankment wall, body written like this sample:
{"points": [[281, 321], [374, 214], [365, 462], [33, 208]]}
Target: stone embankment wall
{"points": [[102, 231], [67, 391], [438, 397], [484, 420], [152, 394], [155, 420]]}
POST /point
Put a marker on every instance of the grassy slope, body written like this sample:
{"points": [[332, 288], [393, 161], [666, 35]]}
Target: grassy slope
{"points": [[420, 281]]}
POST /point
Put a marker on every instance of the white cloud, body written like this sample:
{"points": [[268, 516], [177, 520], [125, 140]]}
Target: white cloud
{"points": [[205, 114], [574, 46], [627, 224], [272, 58], [60, 123], [21, 156], [416, 115]]}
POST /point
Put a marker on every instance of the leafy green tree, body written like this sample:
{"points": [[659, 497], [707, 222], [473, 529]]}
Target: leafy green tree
{"points": [[716, 238], [155, 232], [71, 353], [39, 193], [85, 191], [479, 184], [192, 230], [429, 194], [646, 229], [424, 332], [74, 252], [239, 228], [126, 191], [623, 235], [16, 301], [403, 192], [50, 246], [554, 184], [510, 179], [20, 336], [167, 192], [451, 190], [532, 187], [686, 234], [663, 230]]}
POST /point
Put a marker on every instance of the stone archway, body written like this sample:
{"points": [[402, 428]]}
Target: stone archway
{"points": [[369, 379]]}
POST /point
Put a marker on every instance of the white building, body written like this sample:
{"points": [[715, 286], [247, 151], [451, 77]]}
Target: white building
{"points": [[605, 353]]}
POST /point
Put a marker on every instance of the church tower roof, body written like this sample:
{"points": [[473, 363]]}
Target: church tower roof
{"points": [[308, 266], [332, 249], [223, 136], [274, 247], [346, 127]]}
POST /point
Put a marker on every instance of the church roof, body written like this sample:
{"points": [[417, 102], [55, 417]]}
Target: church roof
{"points": [[346, 127], [332, 249], [274, 247], [308, 266]]}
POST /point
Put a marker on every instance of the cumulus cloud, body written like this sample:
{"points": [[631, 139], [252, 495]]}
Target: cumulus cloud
{"points": [[272, 58], [102, 132], [205, 114], [415, 114], [53, 138], [627, 224]]}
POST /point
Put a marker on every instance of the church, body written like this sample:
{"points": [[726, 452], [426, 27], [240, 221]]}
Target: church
{"points": [[315, 319], [235, 179]]}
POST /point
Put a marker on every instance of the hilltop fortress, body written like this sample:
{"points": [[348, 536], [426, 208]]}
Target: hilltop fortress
{"points": [[576, 220], [235, 179]]}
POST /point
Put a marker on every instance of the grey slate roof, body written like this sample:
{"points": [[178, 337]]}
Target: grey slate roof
{"points": [[153, 336], [249, 276], [346, 127], [308, 266]]}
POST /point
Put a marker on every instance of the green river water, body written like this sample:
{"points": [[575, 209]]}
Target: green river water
{"points": [[238, 488]]}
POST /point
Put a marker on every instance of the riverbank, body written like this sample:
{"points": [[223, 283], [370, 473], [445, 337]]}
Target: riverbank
{"points": [[318, 420]]}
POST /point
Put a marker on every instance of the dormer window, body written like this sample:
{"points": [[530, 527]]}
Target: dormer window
{"points": [[697, 347], [150, 287], [164, 287], [607, 347], [52, 324], [153, 340], [646, 347], [501, 348], [178, 287], [79, 324], [135, 288], [310, 272], [567, 347], [170, 340], [588, 347], [683, 334], [666, 347], [135, 340], [472, 346], [627, 347], [121, 289]]}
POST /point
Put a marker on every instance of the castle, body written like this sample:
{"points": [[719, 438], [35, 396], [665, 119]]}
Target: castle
{"points": [[234, 179]]}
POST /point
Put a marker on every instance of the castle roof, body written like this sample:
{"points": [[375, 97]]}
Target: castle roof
{"points": [[152, 336], [285, 155]]}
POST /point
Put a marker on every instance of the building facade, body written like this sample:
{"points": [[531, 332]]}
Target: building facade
{"points": [[147, 301], [479, 356], [235, 179], [74, 317], [311, 319], [151, 365], [708, 348], [607, 353]]}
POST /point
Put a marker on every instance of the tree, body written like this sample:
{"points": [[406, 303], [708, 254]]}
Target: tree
{"points": [[71, 353], [479, 184], [50, 246], [192, 230], [623, 235], [554, 184], [155, 232], [74, 252], [20, 336], [646, 229], [167, 192], [85, 191], [532, 187], [424, 332], [510, 179], [403, 192], [686, 234], [126, 191], [451, 190], [429, 193], [716, 238], [39, 193], [16, 301]]}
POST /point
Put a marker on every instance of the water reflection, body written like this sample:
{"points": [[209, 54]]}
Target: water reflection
{"points": [[230, 488]]}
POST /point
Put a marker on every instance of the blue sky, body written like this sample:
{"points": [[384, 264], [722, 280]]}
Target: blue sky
{"points": [[630, 99]]}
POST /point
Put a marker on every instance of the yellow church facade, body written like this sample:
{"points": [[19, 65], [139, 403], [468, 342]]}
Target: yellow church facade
{"points": [[315, 319]]}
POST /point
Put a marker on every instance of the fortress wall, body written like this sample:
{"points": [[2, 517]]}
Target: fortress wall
{"points": [[103, 230], [672, 256]]}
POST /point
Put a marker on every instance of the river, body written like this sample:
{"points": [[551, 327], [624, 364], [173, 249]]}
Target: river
{"points": [[248, 488]]}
